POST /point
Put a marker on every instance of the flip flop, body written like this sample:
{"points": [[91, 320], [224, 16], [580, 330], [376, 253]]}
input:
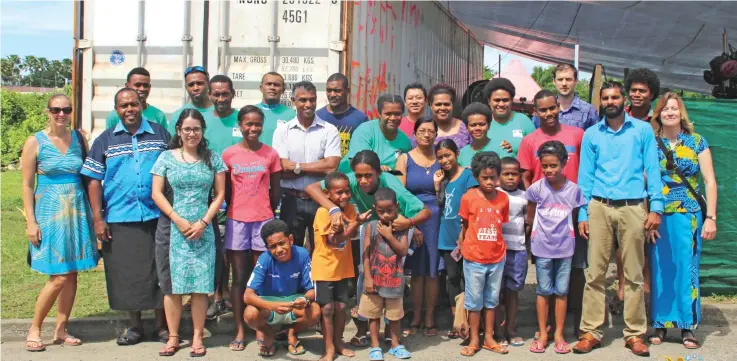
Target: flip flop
{"points": [[169, 350], [498, 348], [130, 337], [266, 350], [237, 345], [413, 329], [537, 347], [376, 354], [68, 340], [689, 342], [517, 341], [400, 352], [658, 336], [431, 331], [198, 351], [296, 348], [469, 351], [562, 348], [359, 341], [39, 345]]}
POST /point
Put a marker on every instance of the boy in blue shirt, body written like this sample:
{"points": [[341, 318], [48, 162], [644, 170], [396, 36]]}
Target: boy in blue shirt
{"points": [[280, 291]]}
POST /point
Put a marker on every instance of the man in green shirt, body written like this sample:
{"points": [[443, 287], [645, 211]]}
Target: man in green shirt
{"points": [[382, 136], [222, 121], [140, 80], [272, 88], [507, 127], [196, 81]]}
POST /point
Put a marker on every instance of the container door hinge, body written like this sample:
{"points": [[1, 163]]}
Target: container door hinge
{"points": [[82, 44], [274, 39], [337, 45]]}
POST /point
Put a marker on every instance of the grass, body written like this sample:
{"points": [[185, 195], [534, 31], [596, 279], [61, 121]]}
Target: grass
{"points": [[20, 285]]}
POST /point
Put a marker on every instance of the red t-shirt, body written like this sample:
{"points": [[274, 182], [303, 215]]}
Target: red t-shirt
{"points": [[570, 137], [483, 242], [250, 174]]}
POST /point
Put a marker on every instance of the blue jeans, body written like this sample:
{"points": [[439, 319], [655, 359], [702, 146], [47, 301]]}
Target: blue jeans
{"points": [[483, 282], [553, 276]]}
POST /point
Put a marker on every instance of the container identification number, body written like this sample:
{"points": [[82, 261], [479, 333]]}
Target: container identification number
{"points": [[295, 16]]}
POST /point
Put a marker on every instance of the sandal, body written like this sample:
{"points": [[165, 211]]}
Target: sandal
{"points": [[163, 335], [496, 348], [537, 347], [237, 345], [130, 337], [168, 349], [400, 352], [658, 336], [266, 350], [469, 351], [68, 340], [297, 347], [689, 341], [359, 341], [376, 354], [431, 331], [517, 341], [413, 329], [197, 351], [35, 345], [562, 348]]}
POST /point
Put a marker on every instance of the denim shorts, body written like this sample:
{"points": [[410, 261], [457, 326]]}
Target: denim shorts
{"points": [[553, 276], [515, 270], [483, 283]]}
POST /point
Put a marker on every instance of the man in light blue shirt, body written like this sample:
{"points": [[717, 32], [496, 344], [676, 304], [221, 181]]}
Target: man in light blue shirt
{"points": [[616, 155], [574, 111]]}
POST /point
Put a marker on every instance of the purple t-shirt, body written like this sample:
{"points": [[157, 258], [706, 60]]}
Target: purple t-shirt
{"points": [[552, 230]]}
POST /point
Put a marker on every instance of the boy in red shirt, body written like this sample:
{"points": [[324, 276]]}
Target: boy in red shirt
{"points": [[482, 211]]}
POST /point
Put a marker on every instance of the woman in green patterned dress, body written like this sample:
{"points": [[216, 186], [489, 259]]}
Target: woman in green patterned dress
{"points": [[192, 170]]}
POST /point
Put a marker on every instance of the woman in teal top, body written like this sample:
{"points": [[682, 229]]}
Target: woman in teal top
{"points": [[507, 127], [478, 118], [382, 136]]}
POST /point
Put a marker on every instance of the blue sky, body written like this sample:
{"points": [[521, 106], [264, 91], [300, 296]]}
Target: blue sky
{"points": [[44, 29]]}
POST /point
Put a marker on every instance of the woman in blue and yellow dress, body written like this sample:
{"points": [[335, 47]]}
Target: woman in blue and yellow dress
{"points": [[58, 219], [675, 252]]}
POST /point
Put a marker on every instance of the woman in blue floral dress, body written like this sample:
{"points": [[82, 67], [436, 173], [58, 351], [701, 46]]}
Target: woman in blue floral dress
{"points": [[191, 170], [675, 250], [58, 219]]}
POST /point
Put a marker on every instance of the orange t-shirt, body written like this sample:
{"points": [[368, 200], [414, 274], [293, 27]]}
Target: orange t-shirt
{"points": [[483, 242], [330, 262]]}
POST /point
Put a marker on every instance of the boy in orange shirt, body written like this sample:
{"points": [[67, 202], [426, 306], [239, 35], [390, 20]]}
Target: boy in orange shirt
{"points": [[483, 211], [332, 263]]}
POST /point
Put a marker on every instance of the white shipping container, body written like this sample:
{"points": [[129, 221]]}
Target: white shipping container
{"points": [[381, 46]]}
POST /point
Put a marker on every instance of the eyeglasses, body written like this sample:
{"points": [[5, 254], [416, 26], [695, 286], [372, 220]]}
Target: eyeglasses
{"points": [[191, 130], [57, 110], [196, 68], [423, 132]]}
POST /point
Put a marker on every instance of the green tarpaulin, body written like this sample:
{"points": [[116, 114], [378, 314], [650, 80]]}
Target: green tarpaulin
{"points": [[716, 120]]}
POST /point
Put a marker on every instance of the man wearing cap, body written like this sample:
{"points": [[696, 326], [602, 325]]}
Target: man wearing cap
{"points": [[507, 127], [196, 81]]}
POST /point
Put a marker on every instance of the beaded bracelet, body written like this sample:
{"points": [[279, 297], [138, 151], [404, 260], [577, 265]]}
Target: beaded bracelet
{"points": [[334, 210]]}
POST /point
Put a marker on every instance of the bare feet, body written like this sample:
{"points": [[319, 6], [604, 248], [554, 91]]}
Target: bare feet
{"points": [[341, 350]]}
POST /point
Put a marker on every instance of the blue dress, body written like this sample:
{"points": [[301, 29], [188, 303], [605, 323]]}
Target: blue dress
{"points": [[62, 212], [425, 260]]}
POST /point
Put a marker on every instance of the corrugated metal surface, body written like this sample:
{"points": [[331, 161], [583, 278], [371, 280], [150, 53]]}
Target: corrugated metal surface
{"points": [[397, 43]]}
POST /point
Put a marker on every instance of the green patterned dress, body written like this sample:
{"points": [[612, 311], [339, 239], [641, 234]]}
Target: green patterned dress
{"points": [[192, 262]]}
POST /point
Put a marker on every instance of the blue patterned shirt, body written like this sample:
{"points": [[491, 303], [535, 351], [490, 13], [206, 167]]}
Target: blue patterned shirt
{"points": [[678, 199], [580, 114], [124, 161]]}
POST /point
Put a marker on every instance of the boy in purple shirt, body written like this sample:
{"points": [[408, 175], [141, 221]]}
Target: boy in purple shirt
{"points": [[552, 201]]}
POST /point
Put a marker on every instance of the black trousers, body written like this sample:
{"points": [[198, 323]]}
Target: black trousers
{"points": [[299, 214]]}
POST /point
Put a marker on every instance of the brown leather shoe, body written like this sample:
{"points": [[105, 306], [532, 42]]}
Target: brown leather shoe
{"points": [[637, 346], [586, 343]]}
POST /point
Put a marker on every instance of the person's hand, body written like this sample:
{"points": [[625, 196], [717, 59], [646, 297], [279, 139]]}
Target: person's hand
{"points": [[709, 230], [299, 304], [288, 165], [583, 229], [368, 285], [282, 308], [417, 237], [438, 177], [336, 220], [102, 230], [652, 236], [182, 224], [384, 231], [338, 227], [385, 168], [653, 221], [33, 232], [401, 224], [196, 231], [364, 217], [506, 146]]}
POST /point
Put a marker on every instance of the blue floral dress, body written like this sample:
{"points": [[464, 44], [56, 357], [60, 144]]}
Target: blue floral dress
{"points": [[192, 263], [674, 259]]}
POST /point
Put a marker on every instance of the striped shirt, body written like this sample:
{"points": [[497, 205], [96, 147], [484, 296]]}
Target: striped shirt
{"points": [[514, 231]]}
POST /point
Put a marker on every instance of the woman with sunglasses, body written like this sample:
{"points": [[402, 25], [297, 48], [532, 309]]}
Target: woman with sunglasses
{"points": [[675, 249], [58, 218]]}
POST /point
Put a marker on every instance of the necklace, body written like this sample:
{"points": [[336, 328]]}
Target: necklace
{"points": [[181, 151], [427, 169]]}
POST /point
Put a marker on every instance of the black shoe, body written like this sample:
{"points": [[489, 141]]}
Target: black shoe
{"points": [[216, 309]]}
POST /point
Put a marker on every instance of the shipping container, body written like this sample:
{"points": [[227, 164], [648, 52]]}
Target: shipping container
{"points": [[381, 46]]}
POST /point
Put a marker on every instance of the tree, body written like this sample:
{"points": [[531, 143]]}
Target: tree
{"points": [[33, 71], [488, 73], [544, 77]]}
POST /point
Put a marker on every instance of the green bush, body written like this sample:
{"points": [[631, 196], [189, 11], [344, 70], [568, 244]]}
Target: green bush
{"points": [[22, 116]]}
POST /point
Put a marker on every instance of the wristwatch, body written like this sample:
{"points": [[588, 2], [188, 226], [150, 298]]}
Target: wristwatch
{"points": [[297, 169], [713, 218]]}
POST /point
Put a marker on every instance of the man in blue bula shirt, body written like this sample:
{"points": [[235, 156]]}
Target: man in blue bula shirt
{"points": [[124, 214], [616, 155], [339, 112], [280, 293]]}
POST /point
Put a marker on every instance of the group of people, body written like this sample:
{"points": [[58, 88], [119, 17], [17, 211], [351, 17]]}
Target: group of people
{"points": [[306, 208]]}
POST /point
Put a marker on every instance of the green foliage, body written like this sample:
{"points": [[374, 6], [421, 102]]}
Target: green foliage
{"points": [[33, 71], [488, 72], [543, 76], [22, 115]]}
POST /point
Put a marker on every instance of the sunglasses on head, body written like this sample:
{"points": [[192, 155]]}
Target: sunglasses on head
{"points": [[57, 110], [196, 68]]}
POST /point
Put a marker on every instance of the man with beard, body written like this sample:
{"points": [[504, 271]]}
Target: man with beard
{"points": [[139, 79], [124, 214], [573, 110], [616, 155], [507, 127], [196, 81], [309, 148], [339, 112], [272, 88], [643, 87]]}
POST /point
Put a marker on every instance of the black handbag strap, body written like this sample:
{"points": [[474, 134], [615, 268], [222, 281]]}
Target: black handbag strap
{"points": [[669, 158], [82, 144]]}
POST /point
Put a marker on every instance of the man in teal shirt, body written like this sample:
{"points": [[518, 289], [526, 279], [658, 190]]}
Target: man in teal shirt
{"points": [[222, 121], [507, 127], [272, 88], [140, 80], [196, 81]]}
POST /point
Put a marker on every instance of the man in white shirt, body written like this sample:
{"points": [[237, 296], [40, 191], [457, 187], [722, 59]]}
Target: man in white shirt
{"points": [[309, 148]]}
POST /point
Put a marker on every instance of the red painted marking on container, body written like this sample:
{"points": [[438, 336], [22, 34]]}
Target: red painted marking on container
{"points": [[404, 7], [373, 25], [356, 64], [389, 6]]}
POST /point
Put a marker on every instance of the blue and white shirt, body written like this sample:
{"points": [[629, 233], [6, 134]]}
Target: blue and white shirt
{"points": [[278, 279]]}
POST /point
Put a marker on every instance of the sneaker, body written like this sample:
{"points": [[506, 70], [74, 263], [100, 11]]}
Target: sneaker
{"points": [[216, 309]]}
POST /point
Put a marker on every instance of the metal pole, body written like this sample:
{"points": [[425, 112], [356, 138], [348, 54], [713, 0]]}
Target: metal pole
{"points": [[186, 40], [499, 66], [141, 35], [224, 36], [575, 56], [274, 37]]}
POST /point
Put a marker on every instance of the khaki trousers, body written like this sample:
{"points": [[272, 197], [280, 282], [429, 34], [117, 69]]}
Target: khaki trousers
{"points": [[626, 223]]}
